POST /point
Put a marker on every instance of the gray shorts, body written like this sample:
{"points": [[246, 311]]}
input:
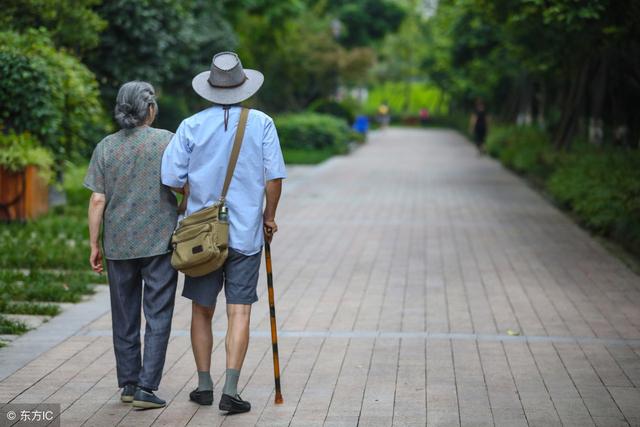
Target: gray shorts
{"points": [[238, 276]]}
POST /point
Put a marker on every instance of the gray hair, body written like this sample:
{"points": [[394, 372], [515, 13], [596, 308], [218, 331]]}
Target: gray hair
{"points": [[132, 104]]}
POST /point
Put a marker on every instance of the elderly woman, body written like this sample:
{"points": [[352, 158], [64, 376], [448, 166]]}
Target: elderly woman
{"points": [[139, 216]]}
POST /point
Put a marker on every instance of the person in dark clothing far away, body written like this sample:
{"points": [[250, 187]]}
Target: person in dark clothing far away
{"points": [[478, 125]]}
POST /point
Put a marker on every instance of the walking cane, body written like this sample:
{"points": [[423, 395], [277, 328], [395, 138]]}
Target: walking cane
{"points": [[272, 315]]}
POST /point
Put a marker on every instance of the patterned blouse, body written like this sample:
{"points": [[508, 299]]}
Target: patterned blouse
{"points": [[140, 213]]}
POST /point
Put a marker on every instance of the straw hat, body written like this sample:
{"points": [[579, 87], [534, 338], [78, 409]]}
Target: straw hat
{"points": [[227, 82]]}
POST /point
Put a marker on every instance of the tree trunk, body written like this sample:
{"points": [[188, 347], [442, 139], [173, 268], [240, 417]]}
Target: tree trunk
{"points": [[571, 107], [598, 91]]}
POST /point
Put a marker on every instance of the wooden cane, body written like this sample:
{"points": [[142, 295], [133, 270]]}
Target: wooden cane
{"points": [[272, 315]]}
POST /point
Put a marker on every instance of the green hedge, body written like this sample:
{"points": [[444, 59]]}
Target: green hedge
{"points": [[49, 93], [345, 110], [600, 185], [523, 148], [313, 131]]}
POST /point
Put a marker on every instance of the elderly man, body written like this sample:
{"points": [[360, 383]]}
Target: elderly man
{"points": [[199, 154], [139, 217]]}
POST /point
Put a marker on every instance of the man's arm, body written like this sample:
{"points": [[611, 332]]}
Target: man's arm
{"points": [[273, 191], [96, 210]]}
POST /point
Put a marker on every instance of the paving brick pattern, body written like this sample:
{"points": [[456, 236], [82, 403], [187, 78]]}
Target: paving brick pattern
{"points": [[417, 284]]}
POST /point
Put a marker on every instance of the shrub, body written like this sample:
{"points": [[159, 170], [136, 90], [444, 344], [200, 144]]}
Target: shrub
{"points": [[19, 151], [313, 131], [345, 110], [27, 99], [48, 93], [602, 186], [525, 149]]}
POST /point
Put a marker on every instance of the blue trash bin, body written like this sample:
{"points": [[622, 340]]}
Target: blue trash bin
{"points": [[361, 124]]}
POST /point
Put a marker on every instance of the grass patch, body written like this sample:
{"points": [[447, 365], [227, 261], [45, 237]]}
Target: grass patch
{"points": [[297, 156], [46, 260], [59, 240], [12, 327], [45, 286], [31, 308]]}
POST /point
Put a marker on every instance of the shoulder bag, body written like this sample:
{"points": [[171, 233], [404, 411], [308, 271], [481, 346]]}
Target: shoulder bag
{"points": [[200, 243]]}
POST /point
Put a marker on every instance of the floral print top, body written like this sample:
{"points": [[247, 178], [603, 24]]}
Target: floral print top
{"points": [[140, 213]]}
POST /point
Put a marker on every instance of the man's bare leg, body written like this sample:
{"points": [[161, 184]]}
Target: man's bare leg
{"points": [[202, 343], [236, 344]]}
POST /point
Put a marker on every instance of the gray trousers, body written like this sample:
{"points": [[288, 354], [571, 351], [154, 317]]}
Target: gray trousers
{"points": [[157, 295]]}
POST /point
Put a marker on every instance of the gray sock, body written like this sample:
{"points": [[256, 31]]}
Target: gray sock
{"points": [[231, 384], [204, 381]]}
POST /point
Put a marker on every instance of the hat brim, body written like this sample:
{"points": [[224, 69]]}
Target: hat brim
{"points": [[227, 96]]}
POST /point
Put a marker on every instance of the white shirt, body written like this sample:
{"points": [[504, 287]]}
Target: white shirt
{"points": [[199, 152]]}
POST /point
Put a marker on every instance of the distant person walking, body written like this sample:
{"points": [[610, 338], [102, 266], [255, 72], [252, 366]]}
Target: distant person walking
{"points": [[384, 114], [199, 154], [478, 125], [139, 215], [424, 116]]}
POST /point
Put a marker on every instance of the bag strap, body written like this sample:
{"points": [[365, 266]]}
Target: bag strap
{"points": [[235, 152]]}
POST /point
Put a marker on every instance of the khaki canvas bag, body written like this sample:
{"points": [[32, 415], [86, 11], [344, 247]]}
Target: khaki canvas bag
{"points": [[200, 243]]}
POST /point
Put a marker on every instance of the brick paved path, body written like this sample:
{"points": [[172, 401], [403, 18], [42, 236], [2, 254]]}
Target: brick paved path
{"points": [[400, 271]]}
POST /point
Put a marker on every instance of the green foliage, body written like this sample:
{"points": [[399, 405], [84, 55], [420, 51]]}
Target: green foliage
{"points": [[59, 240], [48, 93], [345, 110], [560, 60], [299, 56], [77, 194], [299, 59], [164, 42], [398, 95], [602, 186], [366, 21], [312, 131], [71, 23], [27, 99], [466, 54], [39, 285], [54, 251], [11, 327], [21, 307], [172, 110], [525, 149], [299, 156], [20, 150]]}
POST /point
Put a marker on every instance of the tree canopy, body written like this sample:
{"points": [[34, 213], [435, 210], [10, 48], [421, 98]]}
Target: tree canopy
{"points": [[560, 63]]}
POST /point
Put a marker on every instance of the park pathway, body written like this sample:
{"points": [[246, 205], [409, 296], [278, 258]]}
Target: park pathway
{"points": [[417, 284]]}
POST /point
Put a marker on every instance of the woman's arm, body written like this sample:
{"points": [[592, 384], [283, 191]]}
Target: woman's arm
{"points": [[96, 210]]}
